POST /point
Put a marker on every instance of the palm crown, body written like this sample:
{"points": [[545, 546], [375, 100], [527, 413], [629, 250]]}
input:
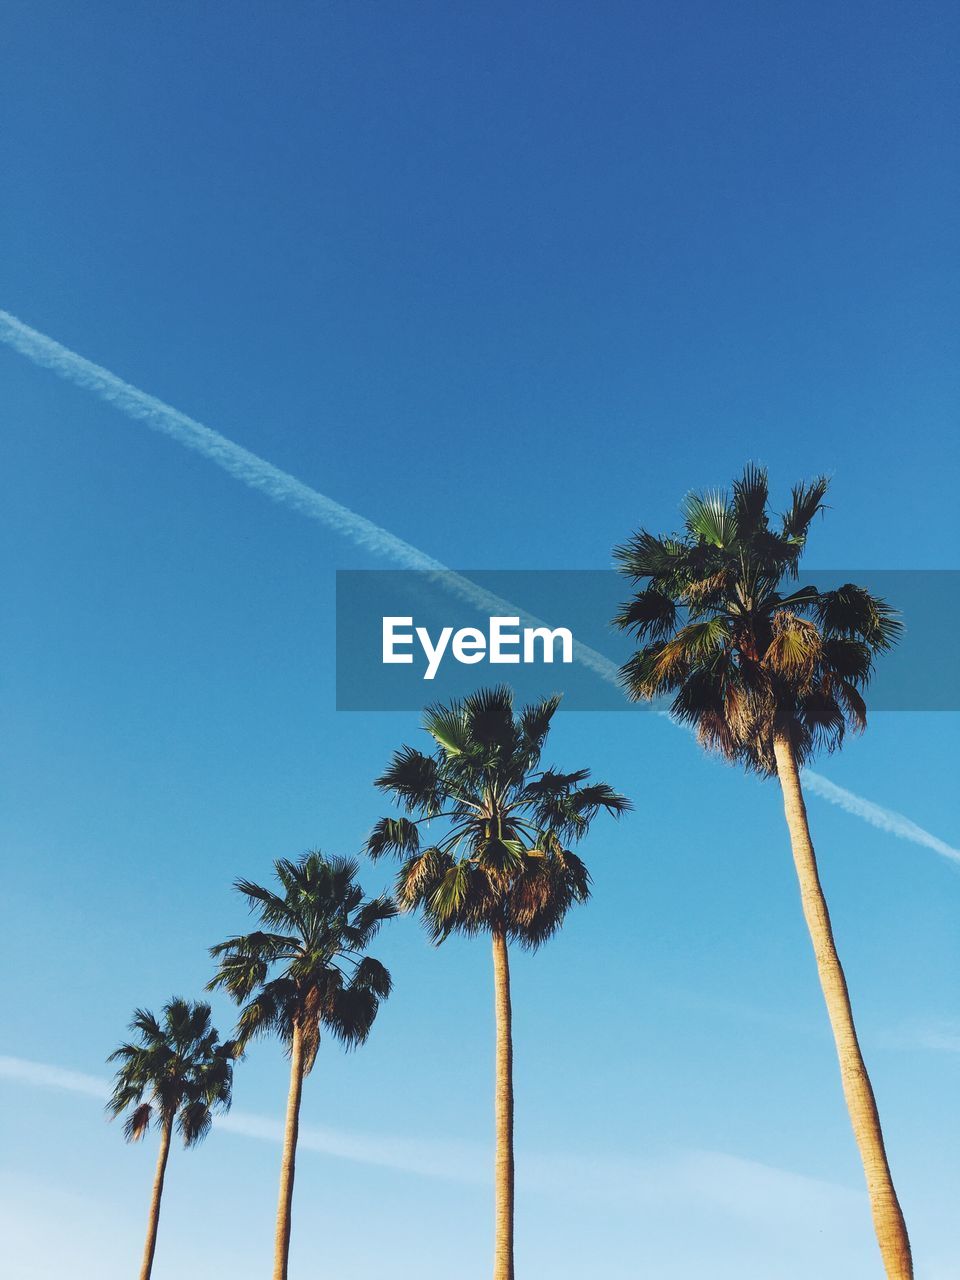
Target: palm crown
{"points": [[178, 1069], [316, 931], [743, 655], [502, 861]]}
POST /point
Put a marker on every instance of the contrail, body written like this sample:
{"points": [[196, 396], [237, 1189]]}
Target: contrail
{"points": [[247, 467], [255, 472], [286, 490], [895, 824]]}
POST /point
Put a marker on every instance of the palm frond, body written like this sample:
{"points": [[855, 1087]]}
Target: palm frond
{"points": [[650, 614], [852, 611], [647, 556], [367, 920], [194, 1123], [711, 518], [412, 778], [393, 835], [489, 717], [272, 909], [806, 501], [750, 496], [419, 876], [795, 648], [450, 894], [371, 975], [848, 659], [137, 1122], [535, 722]]}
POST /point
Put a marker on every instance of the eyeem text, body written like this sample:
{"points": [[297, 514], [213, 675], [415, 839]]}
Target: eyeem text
{"points": [[504, 641]]}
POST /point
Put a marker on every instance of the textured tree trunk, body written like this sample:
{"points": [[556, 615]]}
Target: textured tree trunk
{"points": [[887, 1216], [503, 1106], [288, 1163], [154, 1220]]}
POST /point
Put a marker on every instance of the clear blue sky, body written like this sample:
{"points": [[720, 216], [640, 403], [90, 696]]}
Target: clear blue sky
{"points": [[508, 279]]}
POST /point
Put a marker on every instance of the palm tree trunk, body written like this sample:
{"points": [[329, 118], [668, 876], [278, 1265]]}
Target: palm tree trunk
{"points": [[154, 1220], [887, 1216], [503, 1105], [288, 1163]]}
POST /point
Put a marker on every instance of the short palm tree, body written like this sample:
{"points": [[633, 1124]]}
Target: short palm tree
{"points": [[176, 1073], [767, 673], [305, 971], [500, 864]]}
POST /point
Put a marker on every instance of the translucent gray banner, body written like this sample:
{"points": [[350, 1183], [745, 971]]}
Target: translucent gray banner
{"points": [[406, 638]]}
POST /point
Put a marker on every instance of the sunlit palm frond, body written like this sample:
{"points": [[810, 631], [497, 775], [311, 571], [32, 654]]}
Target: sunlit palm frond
{"points": [[449, 896], [794, 649], [644, 676], [710, 517]]}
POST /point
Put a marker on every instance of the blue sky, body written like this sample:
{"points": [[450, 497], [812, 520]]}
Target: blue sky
{"points": [[508, 282]]}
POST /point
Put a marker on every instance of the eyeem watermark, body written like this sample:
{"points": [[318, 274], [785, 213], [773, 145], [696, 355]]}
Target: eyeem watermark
{"points": [[503, 642], [405, 637]]}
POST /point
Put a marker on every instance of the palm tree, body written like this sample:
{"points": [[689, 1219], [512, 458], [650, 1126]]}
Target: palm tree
{"points": [[306, 970], [177, 1072], [501, 865], [767, 673]]}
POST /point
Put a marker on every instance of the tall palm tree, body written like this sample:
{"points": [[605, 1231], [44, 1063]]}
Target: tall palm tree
{"points": [[177, 1072], [306, 970], [767, 673], [500, 864]]}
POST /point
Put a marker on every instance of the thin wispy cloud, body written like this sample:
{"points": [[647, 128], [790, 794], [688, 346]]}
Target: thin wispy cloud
{"points": [[438, 1160], [937, 1035], [286, 490], [736, 1186], [44, 1076], [458, 1162], [943, 1037]]}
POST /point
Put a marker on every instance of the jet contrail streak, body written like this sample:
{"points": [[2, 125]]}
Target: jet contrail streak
{"points": [[288, 491], [895, 824], [257, 473], [238, 462]]}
